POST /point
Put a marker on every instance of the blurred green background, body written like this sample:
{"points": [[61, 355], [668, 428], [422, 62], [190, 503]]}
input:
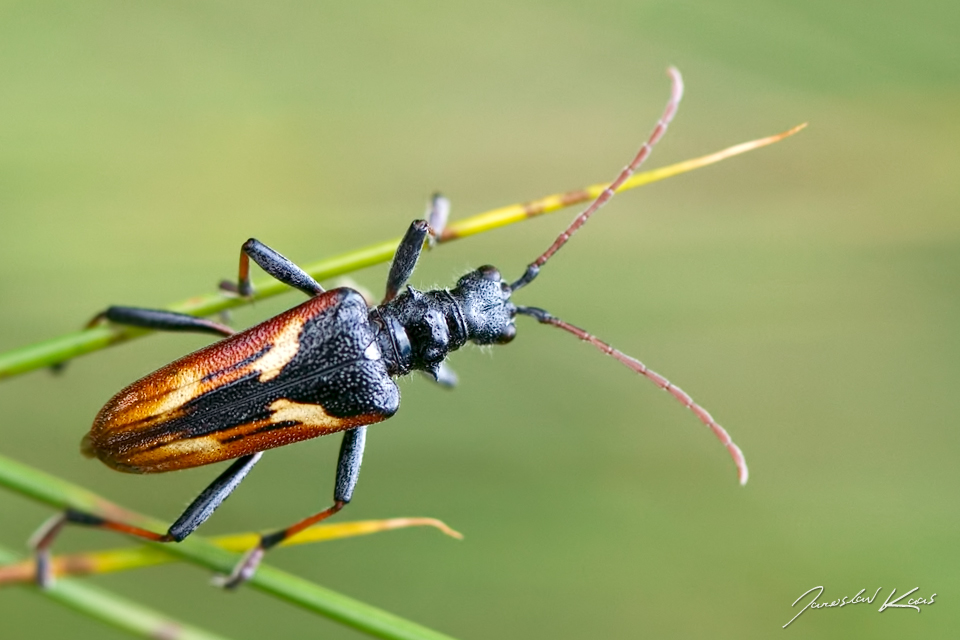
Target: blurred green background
{"points": [[806, 294]]}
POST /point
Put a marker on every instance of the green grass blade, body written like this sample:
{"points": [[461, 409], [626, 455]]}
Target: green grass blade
{"points": [[117, 611], [60, 494]]}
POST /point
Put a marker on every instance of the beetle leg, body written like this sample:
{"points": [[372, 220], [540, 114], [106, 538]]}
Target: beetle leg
{"points": [[42, 540], [212, 497], [405, 259], [274, 264], [443, 375], [348, 470], [198, 511], [438, 212], [156, 319], [160, 320]]}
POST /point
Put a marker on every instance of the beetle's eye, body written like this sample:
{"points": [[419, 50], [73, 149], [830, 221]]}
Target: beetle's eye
{"points": [[508, 334], [489, 272]]}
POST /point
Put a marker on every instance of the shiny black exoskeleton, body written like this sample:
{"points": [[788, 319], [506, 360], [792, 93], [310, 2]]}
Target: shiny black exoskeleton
{"points": [[417, 329]]}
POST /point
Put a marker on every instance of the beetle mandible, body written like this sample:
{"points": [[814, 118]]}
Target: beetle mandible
{"points": [[324, 366]]}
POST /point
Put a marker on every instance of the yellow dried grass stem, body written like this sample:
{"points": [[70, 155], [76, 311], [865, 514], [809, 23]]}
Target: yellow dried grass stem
{"points": [[109, 561], [71, 345]]}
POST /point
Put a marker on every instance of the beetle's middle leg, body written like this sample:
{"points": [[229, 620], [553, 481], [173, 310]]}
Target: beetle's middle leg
{"points": [[195, 515], [348, 470], [275, 264]]}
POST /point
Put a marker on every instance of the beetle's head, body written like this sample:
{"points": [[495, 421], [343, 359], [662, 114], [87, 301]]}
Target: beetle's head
{"points": [[486, 305]]}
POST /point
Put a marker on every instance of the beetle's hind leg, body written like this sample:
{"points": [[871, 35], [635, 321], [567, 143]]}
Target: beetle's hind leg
{"points": [[42, 541], [348, 470], [156, 319], [160, 320], [275, 264], [198, 511]]}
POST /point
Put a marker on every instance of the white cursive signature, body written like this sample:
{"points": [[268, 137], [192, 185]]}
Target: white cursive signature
{"points": [[912, 603]]}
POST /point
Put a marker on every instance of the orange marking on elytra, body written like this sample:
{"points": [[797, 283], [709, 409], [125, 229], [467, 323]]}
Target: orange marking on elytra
{"points": [[147, 404], [306, 414], [283, 348]]}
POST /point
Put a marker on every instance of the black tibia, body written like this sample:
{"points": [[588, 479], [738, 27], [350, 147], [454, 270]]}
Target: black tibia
{"points": [[348, 464], [405, 259], [273, 263], [348, 470], [212, 497], [161, 320]]}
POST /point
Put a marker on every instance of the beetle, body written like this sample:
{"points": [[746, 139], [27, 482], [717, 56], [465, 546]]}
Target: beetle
{"points": [[323, 367]]}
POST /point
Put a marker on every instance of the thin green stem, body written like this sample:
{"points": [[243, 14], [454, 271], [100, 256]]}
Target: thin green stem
{"points": [[61, 494], [117, 611]]}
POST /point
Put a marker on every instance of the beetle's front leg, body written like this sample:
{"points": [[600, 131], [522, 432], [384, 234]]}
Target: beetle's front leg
{"points": [[275, 264], [405, 259], [348, 470]]}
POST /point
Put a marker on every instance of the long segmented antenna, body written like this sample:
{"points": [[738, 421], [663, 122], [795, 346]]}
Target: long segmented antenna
{"points": [[676, 93], [657, 379]]}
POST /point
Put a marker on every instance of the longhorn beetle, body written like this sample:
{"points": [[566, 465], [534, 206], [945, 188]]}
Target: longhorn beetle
{"points": [[321, 367]]}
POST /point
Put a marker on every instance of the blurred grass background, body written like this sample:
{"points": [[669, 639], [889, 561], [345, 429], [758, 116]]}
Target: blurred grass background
{"points": [[806, 294]]}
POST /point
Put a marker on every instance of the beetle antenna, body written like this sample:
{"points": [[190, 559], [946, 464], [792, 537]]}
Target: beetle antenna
{"points": [[544, 317], [676, 93]]}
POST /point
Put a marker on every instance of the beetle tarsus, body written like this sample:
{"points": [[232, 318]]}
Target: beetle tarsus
{"points": [[40, 542], [438, 212], [230, 288], [247, 567], [243, 571]]}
